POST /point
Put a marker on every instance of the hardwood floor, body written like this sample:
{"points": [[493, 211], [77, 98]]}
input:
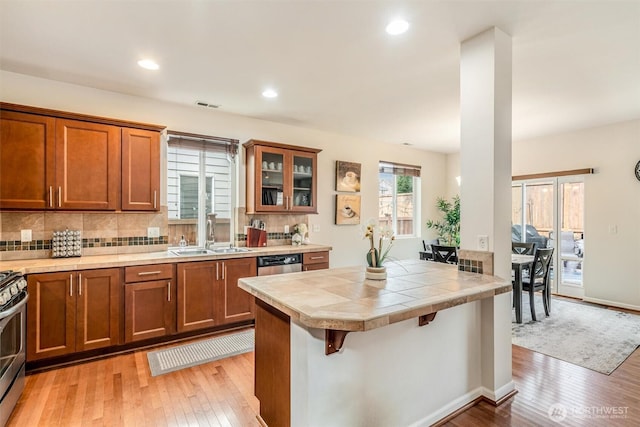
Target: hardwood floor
{"points": [[119, 391], [543, 382]]}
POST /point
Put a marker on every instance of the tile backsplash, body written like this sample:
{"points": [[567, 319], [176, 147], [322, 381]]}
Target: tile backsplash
{"points": [[274, 226], [109, 233], [103, 233]]}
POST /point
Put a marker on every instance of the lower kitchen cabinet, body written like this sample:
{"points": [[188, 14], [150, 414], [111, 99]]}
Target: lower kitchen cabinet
{"points": [[72, 312], [315, 261], [149, 302], [239, 305], [208, 293], [198, 295]]}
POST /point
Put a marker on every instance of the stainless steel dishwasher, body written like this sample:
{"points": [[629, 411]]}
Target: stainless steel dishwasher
{"points": [[278, 264]]}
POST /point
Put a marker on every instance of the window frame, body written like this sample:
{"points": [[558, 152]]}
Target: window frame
{"points": [[396, 170], [202, 145]]}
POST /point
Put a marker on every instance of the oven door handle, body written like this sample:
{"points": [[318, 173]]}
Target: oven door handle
{"points": [[6, 313]]}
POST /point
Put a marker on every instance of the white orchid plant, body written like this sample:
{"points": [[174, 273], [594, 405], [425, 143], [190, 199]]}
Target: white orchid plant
{"points": [[301, 229], [377, 255]]}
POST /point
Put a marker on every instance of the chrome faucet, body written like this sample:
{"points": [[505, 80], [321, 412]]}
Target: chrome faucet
{"points": [[211, 237]]}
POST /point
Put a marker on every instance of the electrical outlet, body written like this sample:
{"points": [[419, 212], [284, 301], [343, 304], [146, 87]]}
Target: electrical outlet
{"points": [[483, 242], [286, 229], [25, 235], [316, 228], [613, 229], [153, 232]]}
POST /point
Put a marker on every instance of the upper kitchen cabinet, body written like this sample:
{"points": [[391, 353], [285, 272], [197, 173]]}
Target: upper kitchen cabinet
{"points": [[280, 178], [27, 160], [57, 160], [87, 165], [140, 170]]}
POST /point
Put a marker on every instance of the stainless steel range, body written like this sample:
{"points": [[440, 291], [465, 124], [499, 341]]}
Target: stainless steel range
{"points": [[13, 321]]}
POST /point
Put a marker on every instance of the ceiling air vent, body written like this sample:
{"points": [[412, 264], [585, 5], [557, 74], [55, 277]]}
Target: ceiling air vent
{"points": [[206, 104]]}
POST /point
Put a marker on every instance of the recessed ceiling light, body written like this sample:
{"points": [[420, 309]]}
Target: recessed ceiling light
{"points": [[270, 93], [407, 143], [397, 26], [148, 64]]}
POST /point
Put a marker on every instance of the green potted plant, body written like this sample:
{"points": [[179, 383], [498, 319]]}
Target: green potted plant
{"points": [[448, 228]]}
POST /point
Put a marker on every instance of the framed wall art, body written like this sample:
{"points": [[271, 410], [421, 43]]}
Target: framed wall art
{"points": [[348, 176], [347, 209]]}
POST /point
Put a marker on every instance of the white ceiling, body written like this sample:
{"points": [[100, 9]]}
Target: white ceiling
{"points": [[576, 64]]}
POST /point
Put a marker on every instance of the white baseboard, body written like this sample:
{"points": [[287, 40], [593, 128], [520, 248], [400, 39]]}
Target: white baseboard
{"points": [[496, 395], [449, 408], [463, 400], [611, 303]]}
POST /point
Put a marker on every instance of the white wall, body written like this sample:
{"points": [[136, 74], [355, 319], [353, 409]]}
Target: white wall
{"points": [[453, 171], [612, 198], [419, 375], [349, 249]]}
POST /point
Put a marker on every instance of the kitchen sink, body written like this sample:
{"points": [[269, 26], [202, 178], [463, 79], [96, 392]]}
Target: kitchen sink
{"points": [[191, 251], [203, 251], [231, 250]]}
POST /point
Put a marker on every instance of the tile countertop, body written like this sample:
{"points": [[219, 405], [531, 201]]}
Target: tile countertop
{"points": [[48, 265], [341, 298]]}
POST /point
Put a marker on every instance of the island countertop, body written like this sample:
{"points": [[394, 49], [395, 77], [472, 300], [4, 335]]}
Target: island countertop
{"points": [[342, 299]]}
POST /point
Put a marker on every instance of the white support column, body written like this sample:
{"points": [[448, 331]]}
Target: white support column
{"points": [[485, 164]]}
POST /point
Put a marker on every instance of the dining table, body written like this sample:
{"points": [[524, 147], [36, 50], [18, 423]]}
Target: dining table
{"points": [[519, 263]]}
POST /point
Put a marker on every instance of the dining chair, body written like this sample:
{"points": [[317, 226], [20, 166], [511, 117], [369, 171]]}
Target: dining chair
{"points": [[520, 248], [445, 254], [538, 280]]}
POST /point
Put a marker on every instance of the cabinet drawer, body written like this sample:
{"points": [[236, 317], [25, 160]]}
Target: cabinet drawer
{"points": [[311, 267], [315, 258], [144, 273]]}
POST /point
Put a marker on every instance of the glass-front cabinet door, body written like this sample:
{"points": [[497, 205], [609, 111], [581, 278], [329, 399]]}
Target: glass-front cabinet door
{"points": [[281, 178], [303, 185], [272, 164]]}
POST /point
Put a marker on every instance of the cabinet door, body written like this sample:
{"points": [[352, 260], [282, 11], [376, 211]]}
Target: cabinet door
{"points": [[140, 170], [51, 315], [303, 182], [98, 309], [238, 305], [150, 310], [272, 180], [87, 165], [26, 161], [198, 295]]}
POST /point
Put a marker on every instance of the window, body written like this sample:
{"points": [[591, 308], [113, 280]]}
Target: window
{"points": [[398, 189], [200, 189]]}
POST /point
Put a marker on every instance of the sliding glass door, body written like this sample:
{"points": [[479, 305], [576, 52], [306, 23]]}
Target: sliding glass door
{"points": [[550, 213], [571, 236]]}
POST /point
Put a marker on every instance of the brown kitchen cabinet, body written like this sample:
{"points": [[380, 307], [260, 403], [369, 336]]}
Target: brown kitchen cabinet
{"points": [[208, 293], [71, 312], [149, 302], [87, 165], [27, 147], [140, 170], [280, 178], [315, 260], [198, 295], [57, 160], [239, 305]]}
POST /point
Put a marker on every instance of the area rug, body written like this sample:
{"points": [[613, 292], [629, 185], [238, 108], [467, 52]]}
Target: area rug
{"points": [[579, 333], [197, 353]]}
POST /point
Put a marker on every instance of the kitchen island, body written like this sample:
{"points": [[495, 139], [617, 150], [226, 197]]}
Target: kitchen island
{"points": [[334, 349]]}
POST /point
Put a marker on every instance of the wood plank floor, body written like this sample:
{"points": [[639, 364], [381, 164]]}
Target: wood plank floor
{"points": [[119, 391]]}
